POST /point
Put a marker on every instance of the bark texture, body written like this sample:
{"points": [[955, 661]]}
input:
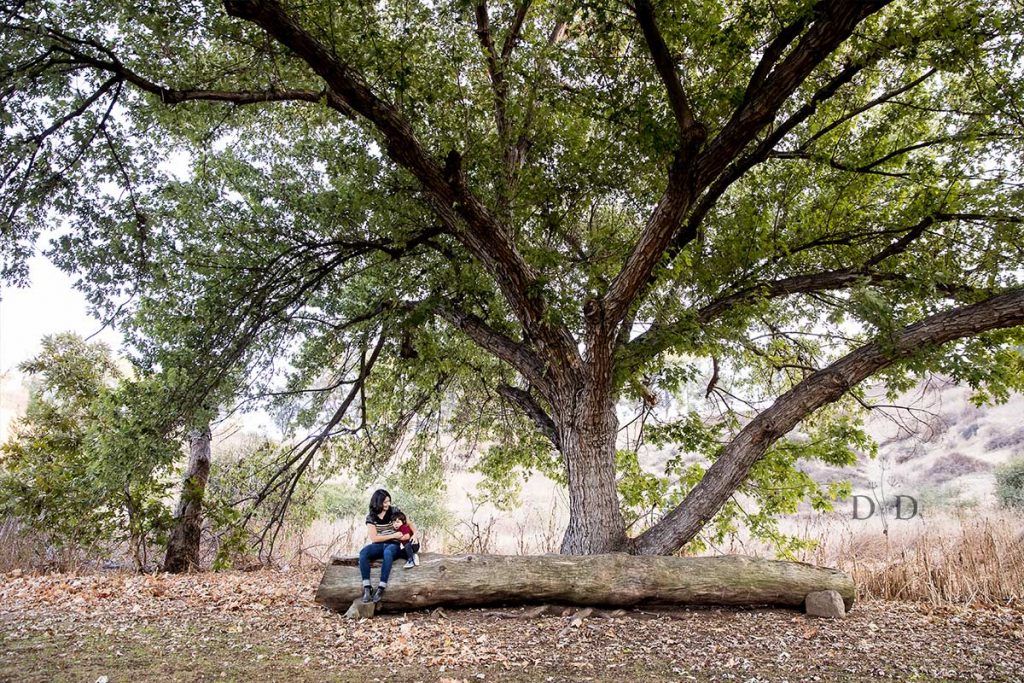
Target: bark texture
{"points": [[613, 580], [183, 546], [587, 426]]}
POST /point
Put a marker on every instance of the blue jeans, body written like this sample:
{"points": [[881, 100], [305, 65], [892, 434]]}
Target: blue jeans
{"points": [[410, 549], [378, 551]]}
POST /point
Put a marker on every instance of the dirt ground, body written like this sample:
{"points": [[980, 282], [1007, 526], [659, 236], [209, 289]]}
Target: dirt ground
{"points": [[264, 626]]}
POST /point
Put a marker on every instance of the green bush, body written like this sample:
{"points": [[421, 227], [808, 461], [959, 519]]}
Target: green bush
{"points": [[1010, 484], [949, 496], [339, 500], [88, 466]]}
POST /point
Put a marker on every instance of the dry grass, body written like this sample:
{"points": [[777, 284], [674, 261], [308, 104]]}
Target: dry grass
{"points": [[964, 560], [22, 548], [18, 548]]}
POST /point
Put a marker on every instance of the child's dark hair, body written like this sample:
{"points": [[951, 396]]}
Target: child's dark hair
{"points": [[400, 516]]}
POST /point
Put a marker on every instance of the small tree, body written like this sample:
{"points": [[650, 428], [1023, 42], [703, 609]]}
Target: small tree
{"points": [[87, 464]]}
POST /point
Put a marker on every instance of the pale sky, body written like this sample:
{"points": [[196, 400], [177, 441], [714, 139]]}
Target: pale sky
{"points": [[49, 305]]}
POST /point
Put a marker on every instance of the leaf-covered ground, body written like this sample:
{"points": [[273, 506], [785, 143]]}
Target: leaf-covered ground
{"points": [[264, 626]]}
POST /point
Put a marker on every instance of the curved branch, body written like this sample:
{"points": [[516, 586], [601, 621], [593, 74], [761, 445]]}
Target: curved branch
{"points": [[167, 95], [819, 389], [526, 403], [304, 454], [516, 354], [881, 99]]}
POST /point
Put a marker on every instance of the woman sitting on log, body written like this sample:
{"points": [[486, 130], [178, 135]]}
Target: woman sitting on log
{"points": [[385, 543]]}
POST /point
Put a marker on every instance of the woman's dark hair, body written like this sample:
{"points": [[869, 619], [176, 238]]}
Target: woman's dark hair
{"points": [[377, 501], [400, 516]]}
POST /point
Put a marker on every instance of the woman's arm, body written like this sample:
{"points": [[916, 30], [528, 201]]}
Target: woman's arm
{"points": [[371, 531]]}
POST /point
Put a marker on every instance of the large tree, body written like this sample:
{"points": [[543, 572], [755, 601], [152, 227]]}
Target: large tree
{"points": [[572, 208]]}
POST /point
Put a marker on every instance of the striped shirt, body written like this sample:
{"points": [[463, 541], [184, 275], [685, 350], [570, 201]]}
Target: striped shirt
{"points": [[384, 526]]}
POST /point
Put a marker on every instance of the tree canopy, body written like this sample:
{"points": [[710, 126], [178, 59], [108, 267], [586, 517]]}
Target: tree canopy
{"points": [[514, 222]]}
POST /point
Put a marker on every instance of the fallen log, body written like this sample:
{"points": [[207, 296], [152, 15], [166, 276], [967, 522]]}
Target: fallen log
{"points": [[616, 580]]}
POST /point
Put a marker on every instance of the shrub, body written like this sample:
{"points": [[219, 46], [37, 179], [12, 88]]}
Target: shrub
{"points": [[1010, 484], [339, 500], [954, 465], [950, 496], [238, 475]]}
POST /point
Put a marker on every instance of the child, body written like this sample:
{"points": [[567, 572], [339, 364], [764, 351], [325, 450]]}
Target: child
{"points": [[410, 549]]}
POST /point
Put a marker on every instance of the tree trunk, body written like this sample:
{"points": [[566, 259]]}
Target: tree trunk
{"points": [[587, 428], [614, 580], [183, 545]]}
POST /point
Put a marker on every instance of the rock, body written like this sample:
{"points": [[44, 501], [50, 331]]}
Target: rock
{"points": [[825, 604], [577, 620], [360, 609]]}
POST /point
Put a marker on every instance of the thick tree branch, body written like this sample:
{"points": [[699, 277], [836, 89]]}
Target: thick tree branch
{"points": [[516, 354], [526, 403], [657, 233], [691, 133], [760, 153], [515, 31], [485, 237], [819, 389], [834, 22], [773, 51]]}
